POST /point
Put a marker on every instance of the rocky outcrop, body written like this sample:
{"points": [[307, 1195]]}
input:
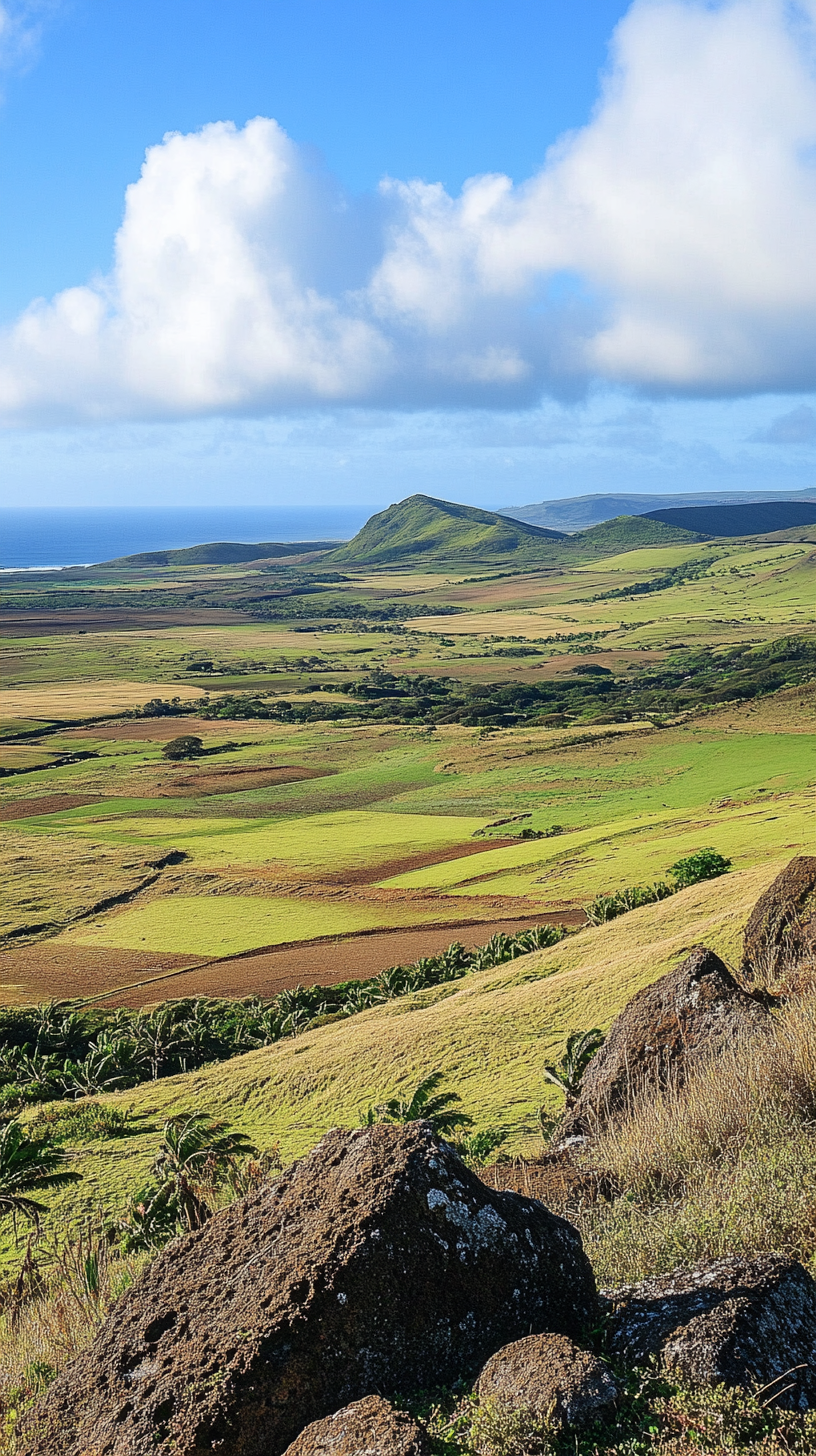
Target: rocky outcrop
{"points": [[781, 930], [551, 1376], [739, 1321], [681, 1021], [377, 1263], [370, 1427]]}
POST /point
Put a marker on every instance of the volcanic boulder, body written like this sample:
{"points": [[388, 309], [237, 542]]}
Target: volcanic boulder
{"points": [[379, 1262], [370, 1427], [781, 930], [681, 1021], [738, 1321], [550, 1375]]}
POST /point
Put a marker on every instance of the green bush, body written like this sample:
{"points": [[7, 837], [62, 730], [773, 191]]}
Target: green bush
{"points": [[704, 864], [609, 907]]}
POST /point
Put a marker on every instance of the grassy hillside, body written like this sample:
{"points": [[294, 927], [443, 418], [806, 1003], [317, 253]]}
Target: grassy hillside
{"points": [[491, 1034], [627, 533], [441, 531], [422, 526]]}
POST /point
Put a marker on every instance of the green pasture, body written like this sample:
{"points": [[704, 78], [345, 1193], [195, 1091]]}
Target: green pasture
{"points": [[614, 856], [13, 727], [220, 925], [625, 774], [770, 586], [655, 559], [315, 844], [756, 587], [490, 1033]]}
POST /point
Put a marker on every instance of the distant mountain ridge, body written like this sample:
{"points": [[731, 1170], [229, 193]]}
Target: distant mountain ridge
{"points": [[757, 519], [576, 513], [220, 553], [422, 528]]}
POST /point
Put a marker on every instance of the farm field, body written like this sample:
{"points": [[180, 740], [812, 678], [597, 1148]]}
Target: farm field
{"points": [[227, 924], [315, 846], [82, 700], [319, 813], [62, 969]]}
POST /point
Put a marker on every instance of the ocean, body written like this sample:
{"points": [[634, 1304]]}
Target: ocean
{"points": [[79, 536]]}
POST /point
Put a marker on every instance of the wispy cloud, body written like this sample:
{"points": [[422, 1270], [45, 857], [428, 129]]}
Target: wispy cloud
{"points": [[668, 246], [21, 25], [796, 427]]}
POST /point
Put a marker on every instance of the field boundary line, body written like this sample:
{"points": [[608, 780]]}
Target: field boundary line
{"points": [[293, 945]]}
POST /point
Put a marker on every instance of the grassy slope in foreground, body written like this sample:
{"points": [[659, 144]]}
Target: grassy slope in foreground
{"points": [[491, 1034], [432, 528]]}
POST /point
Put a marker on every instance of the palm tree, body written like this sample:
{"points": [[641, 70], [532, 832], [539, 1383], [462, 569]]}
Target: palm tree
{"points": [[99, 1072], [27, 1165], [566, 1075], [158, 1041], [196, 1153], [425, 1104]]}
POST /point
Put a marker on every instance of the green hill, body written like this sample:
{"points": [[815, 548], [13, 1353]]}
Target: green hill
{"points": [[441, 531], [627, 533], [220, 553]]}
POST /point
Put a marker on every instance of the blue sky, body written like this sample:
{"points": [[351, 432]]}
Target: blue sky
{"points": [[496, 252]]}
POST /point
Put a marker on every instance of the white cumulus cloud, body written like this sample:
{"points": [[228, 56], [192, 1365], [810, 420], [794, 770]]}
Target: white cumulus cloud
{"points": [[667, 245]]}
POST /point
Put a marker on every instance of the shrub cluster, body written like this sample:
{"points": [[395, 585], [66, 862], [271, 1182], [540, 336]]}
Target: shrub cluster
{"points": [[684, 681], [704, 864]]}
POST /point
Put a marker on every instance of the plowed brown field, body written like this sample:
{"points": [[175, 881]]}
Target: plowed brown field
{"points": [[45, 804], [47, 971]]}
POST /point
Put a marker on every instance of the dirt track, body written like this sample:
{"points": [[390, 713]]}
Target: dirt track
{"points": [[46, 970]]}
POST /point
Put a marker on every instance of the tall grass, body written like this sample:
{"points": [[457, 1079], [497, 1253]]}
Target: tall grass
{"points": [[724, 1164], [51, 1311]]}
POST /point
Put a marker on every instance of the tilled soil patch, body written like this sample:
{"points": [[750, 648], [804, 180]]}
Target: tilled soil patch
{"points": [[45, 971], [204, 782], [47, 804]]}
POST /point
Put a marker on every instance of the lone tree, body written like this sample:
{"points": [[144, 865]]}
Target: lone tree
{"points": [[187, 746]]}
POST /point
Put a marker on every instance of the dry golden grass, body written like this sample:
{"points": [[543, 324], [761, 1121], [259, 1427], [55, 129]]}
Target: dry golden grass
{"points": [[672, 1135], [89, 699], [51, 881], [51, 1312], [723, 1165]]}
